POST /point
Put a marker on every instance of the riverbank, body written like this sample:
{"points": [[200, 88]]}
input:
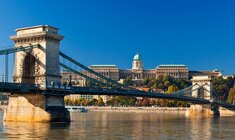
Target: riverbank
{"points": [[165, 110]]}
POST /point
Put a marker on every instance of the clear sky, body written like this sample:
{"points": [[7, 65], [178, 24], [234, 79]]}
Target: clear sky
{"points": [[197, 33]]}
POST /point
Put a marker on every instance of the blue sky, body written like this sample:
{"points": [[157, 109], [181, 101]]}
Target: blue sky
{"points": [[197, 33]]}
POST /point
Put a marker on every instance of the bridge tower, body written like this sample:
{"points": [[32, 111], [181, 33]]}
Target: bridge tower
{"points": [[205, 92], [37, 66], [202, 88]]}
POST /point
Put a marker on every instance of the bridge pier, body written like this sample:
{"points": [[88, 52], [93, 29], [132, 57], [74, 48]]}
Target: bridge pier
{"points": [[37, 66], [197, 110], [202, 89], [36, 108]]}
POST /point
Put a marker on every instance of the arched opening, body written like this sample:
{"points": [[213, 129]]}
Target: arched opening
{"points": [[201, 93], [28, 69]]}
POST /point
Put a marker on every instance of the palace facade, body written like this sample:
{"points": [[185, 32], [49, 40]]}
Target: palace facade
{"points": [[138, 72]]}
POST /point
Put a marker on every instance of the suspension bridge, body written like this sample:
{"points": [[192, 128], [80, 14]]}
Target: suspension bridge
{"points": [[36, 90]]}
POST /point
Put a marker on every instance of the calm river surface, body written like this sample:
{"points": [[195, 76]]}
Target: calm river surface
{"points": [[107, 125]]}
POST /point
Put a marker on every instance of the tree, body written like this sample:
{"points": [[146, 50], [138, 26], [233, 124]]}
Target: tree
{"points": [[160, 86], [66, 101], [152, 102], [146, 81], [167, 84], [160, 77], [92, 101], [222, 86], [231, 95], [100, 102], [77, 102], [154, 86], [139, 102], [89, 83], [167, 78], [128, 81], [145, 102], [109, 103], [172, 88]]}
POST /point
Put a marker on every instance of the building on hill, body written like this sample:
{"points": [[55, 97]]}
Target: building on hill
{"points": [[214, 73], [110, 71], [137, 73], [174, 70]]}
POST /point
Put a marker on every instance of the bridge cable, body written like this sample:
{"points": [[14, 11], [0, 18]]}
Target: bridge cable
{"points": [[17, 49], [95, 73], [81, 74]]}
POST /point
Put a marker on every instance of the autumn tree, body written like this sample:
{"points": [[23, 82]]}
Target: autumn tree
{"points": [[172, 88]]}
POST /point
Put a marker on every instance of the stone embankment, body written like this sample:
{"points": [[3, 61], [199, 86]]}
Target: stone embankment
{"points": [[165, 110], [3, 107], [225, 112]]}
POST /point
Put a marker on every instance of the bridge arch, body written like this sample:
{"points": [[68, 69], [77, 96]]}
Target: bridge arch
{"points": [[28, 72]]}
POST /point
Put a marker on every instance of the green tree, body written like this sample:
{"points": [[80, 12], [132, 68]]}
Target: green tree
{"points": [[89, 83], [109, 103], [167, 84], [146, 81], [231, 96], [167, 78], [93, 101], [100, 102], [222, 86], [128, 81], [160, 86]]}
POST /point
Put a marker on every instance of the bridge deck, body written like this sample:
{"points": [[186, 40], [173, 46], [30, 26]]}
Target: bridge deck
{"points": [[66, 90]]}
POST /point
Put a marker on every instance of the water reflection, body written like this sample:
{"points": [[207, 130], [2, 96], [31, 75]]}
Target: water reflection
{"points": [[24, 130], [200, 128], [106, 125]]}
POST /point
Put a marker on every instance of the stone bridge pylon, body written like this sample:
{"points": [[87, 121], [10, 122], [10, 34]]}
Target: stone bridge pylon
{"points": [[202, 89], [39, 65], [205, 92]]}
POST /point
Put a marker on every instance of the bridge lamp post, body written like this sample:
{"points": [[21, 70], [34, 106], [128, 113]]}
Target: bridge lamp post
{"points": [[3, 78], [6, 67]]}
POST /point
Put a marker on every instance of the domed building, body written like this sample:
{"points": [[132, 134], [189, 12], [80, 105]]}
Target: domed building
{"points": [[137, 63], [137, 73]]}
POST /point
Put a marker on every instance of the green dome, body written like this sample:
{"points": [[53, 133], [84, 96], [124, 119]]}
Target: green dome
{"points": [[137, 57]]}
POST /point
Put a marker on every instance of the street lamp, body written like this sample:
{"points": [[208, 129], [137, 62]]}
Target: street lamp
{"points": [[3, 78]]}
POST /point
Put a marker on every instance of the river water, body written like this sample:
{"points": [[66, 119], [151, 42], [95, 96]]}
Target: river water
{"points": [[128, 126]]}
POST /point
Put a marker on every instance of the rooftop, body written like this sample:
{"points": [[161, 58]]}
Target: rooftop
{"points": [[172, 66], [102, 66], [37, 26]]}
